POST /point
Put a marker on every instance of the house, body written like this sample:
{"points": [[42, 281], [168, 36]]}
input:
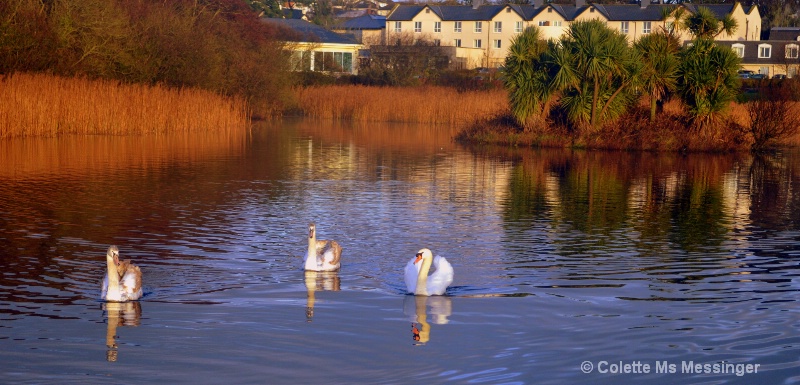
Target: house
{"points": [[768, 57], [482, 34], [318, 49], [368, 29]]}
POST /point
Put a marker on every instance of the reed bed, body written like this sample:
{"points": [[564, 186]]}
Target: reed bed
{"points": [[432, 105], [42, 105]]}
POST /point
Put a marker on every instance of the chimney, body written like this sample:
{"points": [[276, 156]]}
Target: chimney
{"points": [[538, 3], [580, 3], [476, 3], [645, 3]]}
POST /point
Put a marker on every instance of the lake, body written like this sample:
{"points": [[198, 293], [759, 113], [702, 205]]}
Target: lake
{"points": [[570, 266]]}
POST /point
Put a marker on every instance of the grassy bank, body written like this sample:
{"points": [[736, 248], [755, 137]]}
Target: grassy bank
{"points": [[46, 105], [670, 131], [436, 105]]}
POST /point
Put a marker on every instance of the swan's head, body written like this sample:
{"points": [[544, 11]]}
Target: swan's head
{"points": [[423, 254], [312, 230], [113, 255]]}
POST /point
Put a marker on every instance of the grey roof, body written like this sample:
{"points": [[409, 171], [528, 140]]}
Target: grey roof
{"points": [[312, 33], [778, 54], [634, 12], [784, 33], [719, 10], [364, 22], [613, 12], [457, 12]]}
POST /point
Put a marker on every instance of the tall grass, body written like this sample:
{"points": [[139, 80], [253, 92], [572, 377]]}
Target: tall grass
{"points": [[437, 105], [46, 105]]}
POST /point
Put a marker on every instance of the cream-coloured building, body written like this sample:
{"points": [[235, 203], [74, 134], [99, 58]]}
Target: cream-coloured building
{"points": [[482, 34], [318, 49]]}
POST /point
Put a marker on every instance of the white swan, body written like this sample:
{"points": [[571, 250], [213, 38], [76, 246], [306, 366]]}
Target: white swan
{"points": [[123, 282], [322, 255], [417, 280]]}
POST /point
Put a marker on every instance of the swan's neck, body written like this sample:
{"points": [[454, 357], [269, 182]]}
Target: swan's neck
{"points": [[113, 276], [312, 246], [422, 278]]}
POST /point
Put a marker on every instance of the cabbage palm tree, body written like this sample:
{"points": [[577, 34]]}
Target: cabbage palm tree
{"points": [[660, 66], [703, 24], [597, 70], [707, 79], [525, 77]]}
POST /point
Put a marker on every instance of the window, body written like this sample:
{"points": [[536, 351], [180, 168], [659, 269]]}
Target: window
{"points": [[398, 26], [498, 26], [437, 26], [497, 43], [417, 26], [764, 51], [437, 42], [556, 23], [542, 23], [623, 27], [457, 42], [457, 26], [738, 49], [518, 27], [333, 61], [478, 26], [764, 71], [477, 43], [670, 26], [792, 51], [646, 27]]}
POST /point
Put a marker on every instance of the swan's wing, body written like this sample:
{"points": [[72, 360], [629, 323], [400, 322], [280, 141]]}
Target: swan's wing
{"points": [[441, 278], [132, 282], [411, 275], [104, 289]]}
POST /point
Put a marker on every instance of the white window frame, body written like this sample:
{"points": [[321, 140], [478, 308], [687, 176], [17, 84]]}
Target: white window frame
{"points": [[457, 27], [457, 42], [647, 27], [518, 27], [497, 44], [478, 27], [477, 43], [764, 51], [498, 27], [792, 51], [417, 26], [738, 49], [556, 23], [542, 23], [437, 26], [398, 26], [624, 26]]}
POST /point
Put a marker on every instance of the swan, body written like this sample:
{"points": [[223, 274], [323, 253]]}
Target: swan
{"points": [[322, 255], [417, 280], [123, 282]]}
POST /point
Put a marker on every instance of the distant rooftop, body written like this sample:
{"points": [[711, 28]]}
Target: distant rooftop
{"points": [[313, 33]]}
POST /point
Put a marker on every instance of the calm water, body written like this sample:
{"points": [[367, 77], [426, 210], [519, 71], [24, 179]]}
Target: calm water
{"points": [[563, 260]]}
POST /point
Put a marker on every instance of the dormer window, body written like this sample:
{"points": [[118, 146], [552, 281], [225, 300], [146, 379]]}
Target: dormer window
{"points": [[764, 51], [738, 49]]}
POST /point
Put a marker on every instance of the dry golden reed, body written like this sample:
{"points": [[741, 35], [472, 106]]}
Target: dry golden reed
{"points": [[436, 105], [46, 105]]}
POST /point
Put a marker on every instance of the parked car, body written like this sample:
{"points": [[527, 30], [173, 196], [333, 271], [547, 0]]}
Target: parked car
{"points": [[779, 76], [759, 76], [746, 74]]}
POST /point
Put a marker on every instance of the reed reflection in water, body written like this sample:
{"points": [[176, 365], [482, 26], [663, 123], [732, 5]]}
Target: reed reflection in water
{"points": [[561, 256]]}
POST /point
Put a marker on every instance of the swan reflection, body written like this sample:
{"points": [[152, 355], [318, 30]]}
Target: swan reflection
{"points": [[319, 281], [119, 314], [417, 308]]}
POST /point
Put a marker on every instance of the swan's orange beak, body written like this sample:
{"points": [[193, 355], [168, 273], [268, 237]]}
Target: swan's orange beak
{"points": [[419, 258]]}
